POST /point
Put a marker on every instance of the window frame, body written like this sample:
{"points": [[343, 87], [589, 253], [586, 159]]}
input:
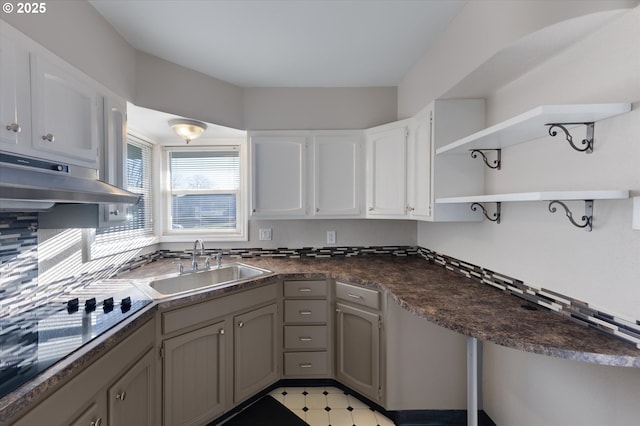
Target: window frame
{"points": [[242, 219]]}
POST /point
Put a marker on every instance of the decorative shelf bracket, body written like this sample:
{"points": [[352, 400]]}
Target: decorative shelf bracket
{"points": [[587, 218], [496, 216], [587, 143], [497, 163]]}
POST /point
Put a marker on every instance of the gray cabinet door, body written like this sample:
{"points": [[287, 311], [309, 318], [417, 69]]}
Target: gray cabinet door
{"points": [[358, 349], [131, 397], [255, 351], [194, 376]]}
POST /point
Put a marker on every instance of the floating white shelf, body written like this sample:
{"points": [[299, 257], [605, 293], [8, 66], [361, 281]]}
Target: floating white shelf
{"points": [[533, 125], [538, 196]]}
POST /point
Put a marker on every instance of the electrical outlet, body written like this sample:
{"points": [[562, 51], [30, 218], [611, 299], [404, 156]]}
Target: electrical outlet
{"points": [[265, 234], [331, 237]]}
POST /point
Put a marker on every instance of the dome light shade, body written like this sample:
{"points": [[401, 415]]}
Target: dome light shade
{"points": [[187, 129]]}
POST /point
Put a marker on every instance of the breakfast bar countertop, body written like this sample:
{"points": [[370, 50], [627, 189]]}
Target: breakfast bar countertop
{"points": [[445, 298]]}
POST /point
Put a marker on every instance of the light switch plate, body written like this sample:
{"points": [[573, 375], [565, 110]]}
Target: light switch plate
{"points": [[331, 237], [265, 234]]}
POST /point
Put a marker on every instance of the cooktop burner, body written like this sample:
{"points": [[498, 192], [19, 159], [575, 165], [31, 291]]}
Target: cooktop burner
{"points": [[32, 341]]}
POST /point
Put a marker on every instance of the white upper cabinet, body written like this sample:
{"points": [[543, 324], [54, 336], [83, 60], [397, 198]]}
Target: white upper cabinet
{"points": [[419, 166], [386, 170], [48, 109], [64, 109], [15, 113], [403, 174], [337, 177], [306, 174], [278, 166]]}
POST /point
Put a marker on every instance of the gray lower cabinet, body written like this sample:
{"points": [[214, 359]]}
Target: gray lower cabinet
{"points": [[358, 350], [194, 368], [117, 389], [255, 351]]}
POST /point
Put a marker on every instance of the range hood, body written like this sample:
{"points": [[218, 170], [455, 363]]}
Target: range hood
{"points": [[29, 184]]}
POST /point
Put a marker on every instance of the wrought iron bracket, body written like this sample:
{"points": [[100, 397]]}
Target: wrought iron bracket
{"points": [[497, 163], [587, 143], [587, 218], [496, 216]]}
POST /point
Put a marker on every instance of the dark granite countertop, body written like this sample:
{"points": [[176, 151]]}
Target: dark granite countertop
{"points": [[423, 288]]}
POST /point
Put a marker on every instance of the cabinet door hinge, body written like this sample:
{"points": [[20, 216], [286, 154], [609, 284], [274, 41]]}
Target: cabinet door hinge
{"points": [[379, 393], [380, 323], [161, 352], [406, 133]]}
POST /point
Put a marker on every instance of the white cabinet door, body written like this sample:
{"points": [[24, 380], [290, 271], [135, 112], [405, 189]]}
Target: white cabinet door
{"points": [[15, 96], [337, 175], [278, 166], [419, 167], [64, 113], [386, 170], [113, 157]]}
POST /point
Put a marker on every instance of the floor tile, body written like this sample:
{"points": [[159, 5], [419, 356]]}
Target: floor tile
{"points": [[317, 417], [364, 417], [294, 401], [316, 401], [340, 417]]}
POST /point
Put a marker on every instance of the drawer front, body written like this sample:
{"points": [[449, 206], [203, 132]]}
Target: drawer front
{"points": [[306, 363], [359, 295], [305, 288], [305, 337], [305, 311]]}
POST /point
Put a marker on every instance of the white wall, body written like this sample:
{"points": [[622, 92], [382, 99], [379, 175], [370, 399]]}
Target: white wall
{"points": [[543, 249], [482, 29], [319, 108], [77, 33], [526, 389]]}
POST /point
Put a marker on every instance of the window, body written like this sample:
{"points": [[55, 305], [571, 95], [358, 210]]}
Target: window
{"points": [[205, 192], [138, 230]]}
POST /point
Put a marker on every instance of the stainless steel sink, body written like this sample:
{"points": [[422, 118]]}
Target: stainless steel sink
{"points": [[173, 284]]}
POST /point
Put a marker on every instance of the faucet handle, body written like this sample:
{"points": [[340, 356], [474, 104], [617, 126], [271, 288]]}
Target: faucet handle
{"points": [[207, 263], [180, 266]]}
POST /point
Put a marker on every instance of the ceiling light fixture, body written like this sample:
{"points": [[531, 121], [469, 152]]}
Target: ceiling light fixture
{"points": [[187, 129]]}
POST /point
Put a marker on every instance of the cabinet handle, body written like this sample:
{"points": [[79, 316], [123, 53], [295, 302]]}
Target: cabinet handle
{"points": [[14, 127], [115, 212], [240, 324], [121, 396], [354, 296], [304, 290], [48, 137], [305, 312], [304, 338], [370, 209], [305, 365], [97, 422]]}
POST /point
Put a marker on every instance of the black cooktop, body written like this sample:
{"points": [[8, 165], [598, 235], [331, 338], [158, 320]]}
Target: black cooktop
{"points": [[32, 341]]}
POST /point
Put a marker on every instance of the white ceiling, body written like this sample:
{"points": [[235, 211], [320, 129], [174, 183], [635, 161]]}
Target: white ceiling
{"points": [[285, 43]]}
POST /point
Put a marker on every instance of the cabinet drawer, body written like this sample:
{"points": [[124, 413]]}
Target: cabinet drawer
{"points": [[305, 337], [305, 288], [306, 363], [305, 311], [359, 295]]}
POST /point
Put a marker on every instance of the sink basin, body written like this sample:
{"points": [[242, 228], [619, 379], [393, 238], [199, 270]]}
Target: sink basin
{"points": [[231, 273]]}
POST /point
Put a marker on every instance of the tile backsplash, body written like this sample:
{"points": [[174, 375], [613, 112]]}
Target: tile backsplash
{"points": [[19, 287]]}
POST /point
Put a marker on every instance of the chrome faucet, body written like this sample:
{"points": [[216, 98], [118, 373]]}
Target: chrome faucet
{"points": [[194, 256]]}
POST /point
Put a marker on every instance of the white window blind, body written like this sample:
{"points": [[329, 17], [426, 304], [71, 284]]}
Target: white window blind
{"points": [[205, 187], [140, 216]]}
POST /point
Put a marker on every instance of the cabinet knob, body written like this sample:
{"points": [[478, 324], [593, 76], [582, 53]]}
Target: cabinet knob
{"points": [[221, 331], [370, 209], [121, 396], [14, 127], [115, 212], [97, 422], [48, 137], [317, 209], [240, 324]]}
